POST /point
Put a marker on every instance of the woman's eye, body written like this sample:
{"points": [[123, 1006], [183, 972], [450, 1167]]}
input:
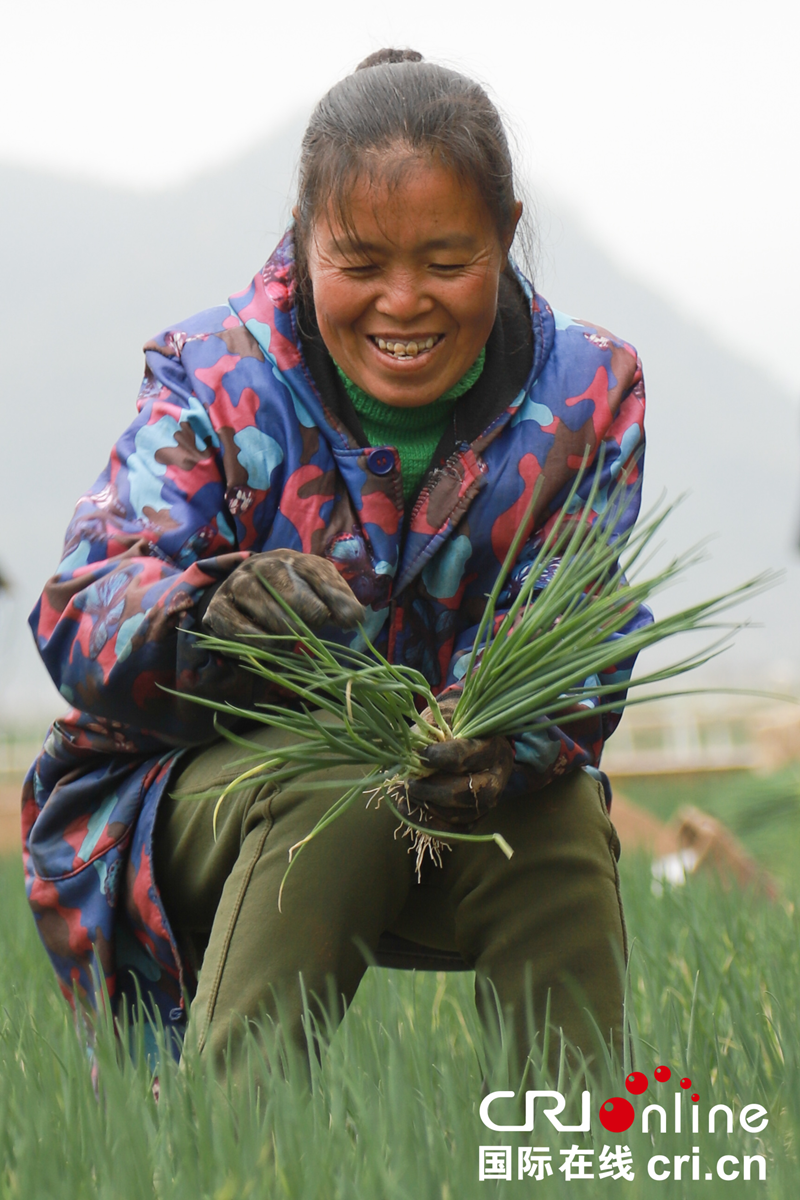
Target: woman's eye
{"points": [[447, 267]]}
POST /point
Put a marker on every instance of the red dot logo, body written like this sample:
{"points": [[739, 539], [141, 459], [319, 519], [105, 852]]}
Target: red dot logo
{"points": [[636, 1083], [616, 1114], [686, 1083], [695, 1097], [662, 1074]]}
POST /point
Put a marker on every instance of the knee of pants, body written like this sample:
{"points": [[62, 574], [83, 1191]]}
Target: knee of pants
{"points": [[558, 896]]}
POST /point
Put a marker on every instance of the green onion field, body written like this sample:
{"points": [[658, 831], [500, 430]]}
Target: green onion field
{"points": [[393, 1108]]}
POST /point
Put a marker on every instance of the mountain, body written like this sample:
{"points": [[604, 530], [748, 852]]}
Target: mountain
{"points": [[88, 273]]}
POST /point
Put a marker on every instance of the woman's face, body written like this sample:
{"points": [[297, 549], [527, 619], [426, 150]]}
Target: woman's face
{"points": [[406, 299]]}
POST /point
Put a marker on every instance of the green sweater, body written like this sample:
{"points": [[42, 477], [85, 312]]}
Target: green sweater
{"points": [[413, 432]]}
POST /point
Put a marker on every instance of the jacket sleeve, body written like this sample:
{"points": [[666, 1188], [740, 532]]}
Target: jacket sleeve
{"points": [[543, 755], [115, 625]]}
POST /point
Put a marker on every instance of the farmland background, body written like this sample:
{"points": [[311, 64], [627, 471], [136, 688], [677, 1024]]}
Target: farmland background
{"points": [[393, 1110]]}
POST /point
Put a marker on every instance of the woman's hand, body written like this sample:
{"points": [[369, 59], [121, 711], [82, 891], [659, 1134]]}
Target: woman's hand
{"points": [[469, 777], [242, 608]]}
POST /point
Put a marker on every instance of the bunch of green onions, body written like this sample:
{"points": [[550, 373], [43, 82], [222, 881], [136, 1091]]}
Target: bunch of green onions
{"points": [[525, 672]]}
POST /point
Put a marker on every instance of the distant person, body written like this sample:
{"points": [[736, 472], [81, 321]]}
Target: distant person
{"points": [[363, 425]]}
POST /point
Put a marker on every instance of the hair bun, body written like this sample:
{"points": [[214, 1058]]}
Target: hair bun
{"points": [[382, 58]]}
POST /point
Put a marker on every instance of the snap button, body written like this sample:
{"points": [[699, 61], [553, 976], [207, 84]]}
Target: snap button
{"points": [[380, 462]]}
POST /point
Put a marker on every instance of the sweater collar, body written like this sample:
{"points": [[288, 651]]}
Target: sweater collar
{"points": [[421, 417]]}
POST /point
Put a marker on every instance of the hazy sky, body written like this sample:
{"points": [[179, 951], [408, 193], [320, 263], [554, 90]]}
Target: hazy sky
{"points": [[671, 130]]}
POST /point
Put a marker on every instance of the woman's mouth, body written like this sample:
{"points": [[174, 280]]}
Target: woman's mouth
{"points": [[411, 348]]}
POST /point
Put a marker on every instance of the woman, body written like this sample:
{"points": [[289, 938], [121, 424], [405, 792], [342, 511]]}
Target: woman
{"points": [[363, 426]]}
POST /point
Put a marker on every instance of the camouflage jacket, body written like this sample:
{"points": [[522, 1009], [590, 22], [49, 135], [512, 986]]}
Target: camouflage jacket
{"points": [[234, 450]]}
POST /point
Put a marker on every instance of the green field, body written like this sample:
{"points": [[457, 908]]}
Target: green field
{"points": [[393, 1109]]}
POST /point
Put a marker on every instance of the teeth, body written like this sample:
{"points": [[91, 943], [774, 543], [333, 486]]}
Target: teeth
{"points": [[406, 349]]}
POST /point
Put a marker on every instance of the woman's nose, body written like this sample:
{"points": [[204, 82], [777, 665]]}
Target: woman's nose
{"points": [[403, 297]]}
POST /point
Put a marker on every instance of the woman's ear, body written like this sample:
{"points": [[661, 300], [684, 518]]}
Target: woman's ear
{"points": [[295, 214], [512, 228]]}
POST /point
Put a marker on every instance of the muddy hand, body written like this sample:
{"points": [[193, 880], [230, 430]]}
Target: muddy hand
{"points": [[242, 608], [469, 777]]}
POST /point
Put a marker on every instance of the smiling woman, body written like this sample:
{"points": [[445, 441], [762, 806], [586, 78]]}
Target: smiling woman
{"points": [[362, 428], [406, 306]]}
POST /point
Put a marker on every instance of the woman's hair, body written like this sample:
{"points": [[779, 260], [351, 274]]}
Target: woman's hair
{"points": [[395, 102]]}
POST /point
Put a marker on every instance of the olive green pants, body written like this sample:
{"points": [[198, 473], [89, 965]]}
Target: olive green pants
{"points": [[548, 921]]}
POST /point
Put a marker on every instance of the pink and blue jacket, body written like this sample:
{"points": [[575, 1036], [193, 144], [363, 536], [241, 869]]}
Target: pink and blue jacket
{"points": [[234, 451]]}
